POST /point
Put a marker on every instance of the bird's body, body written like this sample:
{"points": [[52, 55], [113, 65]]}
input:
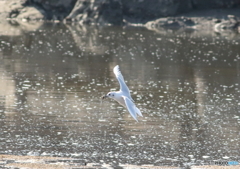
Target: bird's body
{"points": [[123, 96], [118, 97]]}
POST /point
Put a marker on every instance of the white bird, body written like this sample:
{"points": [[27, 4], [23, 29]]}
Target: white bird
{"points": [[123, 96]]}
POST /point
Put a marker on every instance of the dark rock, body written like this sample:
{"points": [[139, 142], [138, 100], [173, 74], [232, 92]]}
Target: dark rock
{"points": [[188, 22], [146, 10], [114, 12], [79, 9], [207, 4], [55, 9], [110, 12], [102, 12], [217, 20]]}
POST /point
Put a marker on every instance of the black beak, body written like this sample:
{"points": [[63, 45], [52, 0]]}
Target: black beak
{"points": [[104, 96]]}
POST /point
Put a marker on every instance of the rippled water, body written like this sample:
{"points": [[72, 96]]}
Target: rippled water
{"points": [[186, 85]]}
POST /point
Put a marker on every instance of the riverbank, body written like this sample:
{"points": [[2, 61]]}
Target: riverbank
{"points": [[190, 14], [201, 22]]}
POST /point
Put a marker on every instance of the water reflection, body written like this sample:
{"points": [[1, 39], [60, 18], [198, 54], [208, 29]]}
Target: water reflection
{"points": [[187, 87]]}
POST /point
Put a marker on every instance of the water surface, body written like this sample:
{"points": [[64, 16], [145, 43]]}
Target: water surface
{"points": [[186, 85]]}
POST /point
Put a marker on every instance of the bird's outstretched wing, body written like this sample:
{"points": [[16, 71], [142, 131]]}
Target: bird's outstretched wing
{"points": [[123, 86], [131, 107]]}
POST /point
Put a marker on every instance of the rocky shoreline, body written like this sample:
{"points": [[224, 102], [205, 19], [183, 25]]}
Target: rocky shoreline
{"points": [[219, 21], [218, 16]]}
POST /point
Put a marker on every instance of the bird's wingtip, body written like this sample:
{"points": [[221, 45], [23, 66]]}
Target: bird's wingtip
{"points": [[116, 69], [135, 118]]}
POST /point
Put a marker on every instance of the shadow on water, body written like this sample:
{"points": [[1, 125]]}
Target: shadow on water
{"points": [[186, 85]]}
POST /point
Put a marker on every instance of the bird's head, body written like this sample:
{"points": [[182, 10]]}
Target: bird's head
{"points": [[110, 95]]}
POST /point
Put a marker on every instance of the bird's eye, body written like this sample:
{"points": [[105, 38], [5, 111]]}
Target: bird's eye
{"points": [[109, 94]]}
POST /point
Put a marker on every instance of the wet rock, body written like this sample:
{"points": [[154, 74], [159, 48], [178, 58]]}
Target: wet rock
{"points": [[17, 10], [216, 21], [232, 23], [31, 13], [113, 12], [173, 23], [102, 12]]}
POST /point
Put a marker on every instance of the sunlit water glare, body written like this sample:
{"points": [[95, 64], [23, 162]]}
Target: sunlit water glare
{"points": [[186, 86]]}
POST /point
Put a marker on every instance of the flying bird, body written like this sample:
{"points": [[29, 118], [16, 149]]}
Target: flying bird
{"points": [[123, 96]]}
